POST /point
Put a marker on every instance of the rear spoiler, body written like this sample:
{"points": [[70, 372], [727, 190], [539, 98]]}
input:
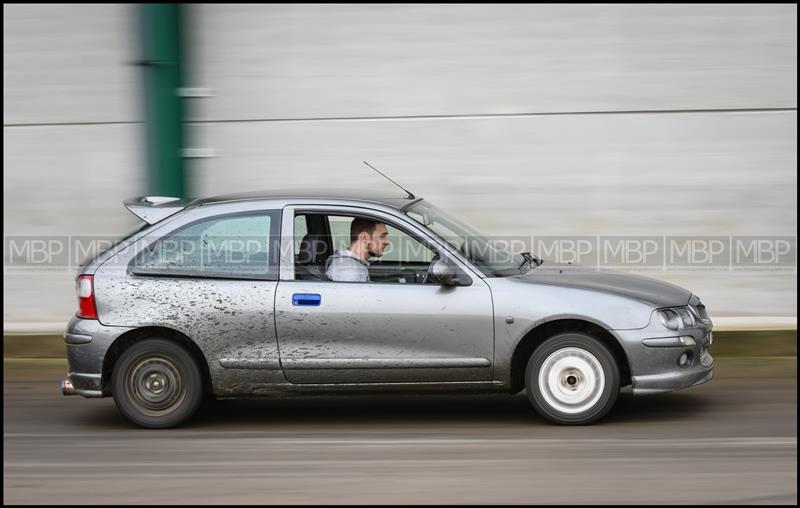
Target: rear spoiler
{"points": [[152, 209]]}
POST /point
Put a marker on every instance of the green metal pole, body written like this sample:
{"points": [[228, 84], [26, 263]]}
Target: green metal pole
{"points": [[161, 29]]}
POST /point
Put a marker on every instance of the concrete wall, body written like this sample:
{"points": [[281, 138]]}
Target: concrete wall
{"points": [[522, 119], [301, 61], [72, 138]]}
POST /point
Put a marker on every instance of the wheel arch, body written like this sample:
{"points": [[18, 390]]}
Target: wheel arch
{"points": [[127, 339], [540, 333]]}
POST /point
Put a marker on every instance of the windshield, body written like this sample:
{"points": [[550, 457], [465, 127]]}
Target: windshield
{"points": [[490, 256]]}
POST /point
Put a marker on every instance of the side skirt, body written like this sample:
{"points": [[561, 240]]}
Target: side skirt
{"points": [[292, 390]]}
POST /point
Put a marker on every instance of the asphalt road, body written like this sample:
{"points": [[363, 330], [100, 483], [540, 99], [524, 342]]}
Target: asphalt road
{"points": [[733, 440]]}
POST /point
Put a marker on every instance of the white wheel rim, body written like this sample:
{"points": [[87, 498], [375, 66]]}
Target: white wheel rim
{"points": [[571, 380]]}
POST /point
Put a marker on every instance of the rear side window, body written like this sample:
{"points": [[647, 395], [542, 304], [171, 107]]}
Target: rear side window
{"points": [[94, 255], [242, 245]]}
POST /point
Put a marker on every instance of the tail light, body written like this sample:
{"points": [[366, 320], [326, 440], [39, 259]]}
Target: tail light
{"points": [[85, 289]]}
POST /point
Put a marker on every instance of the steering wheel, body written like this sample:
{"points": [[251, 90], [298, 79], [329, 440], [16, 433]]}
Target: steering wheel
{"points": [[429, 271]]}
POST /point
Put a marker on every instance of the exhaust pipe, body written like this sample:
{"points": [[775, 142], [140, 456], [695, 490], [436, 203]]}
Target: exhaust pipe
{"points": [[66, 387]]}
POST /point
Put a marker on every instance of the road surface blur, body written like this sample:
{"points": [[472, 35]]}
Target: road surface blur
{"points": [[733, 440]]}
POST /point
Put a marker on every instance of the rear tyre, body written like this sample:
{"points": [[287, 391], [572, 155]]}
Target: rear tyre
{"points": [[157, 384], [572, 379]]}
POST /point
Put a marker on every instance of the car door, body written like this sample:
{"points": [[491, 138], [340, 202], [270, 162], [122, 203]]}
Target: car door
{"points": [[380, 332]]}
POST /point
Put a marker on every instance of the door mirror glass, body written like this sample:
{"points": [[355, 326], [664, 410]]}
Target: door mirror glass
{"points": [[447, 274]]}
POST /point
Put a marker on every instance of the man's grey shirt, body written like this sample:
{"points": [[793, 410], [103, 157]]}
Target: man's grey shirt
{"points": [[345, 266]]}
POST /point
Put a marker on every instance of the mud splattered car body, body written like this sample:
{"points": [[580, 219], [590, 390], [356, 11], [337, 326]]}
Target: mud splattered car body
{"points": [[160, 333]]}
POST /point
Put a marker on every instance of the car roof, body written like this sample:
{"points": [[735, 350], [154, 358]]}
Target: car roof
{"points": [[370, 196]]}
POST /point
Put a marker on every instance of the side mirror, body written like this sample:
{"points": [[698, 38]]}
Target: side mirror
{"points": [[446, 274]]}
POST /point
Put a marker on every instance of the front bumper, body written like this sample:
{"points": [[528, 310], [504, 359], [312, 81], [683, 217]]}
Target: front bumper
{"points": [[667, 382], [662, 369], [87, 343]]}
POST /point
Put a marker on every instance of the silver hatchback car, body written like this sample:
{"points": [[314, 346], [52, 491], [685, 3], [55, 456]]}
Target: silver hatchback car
{"points": [[232, 296]]}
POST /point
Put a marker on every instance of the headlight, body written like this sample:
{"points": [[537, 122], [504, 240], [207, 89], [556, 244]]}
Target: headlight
{"points": [[677, 318], [686, 317], [670, 319]]}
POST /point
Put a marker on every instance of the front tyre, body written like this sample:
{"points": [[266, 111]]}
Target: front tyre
{"points": [[572, 379], [157, 384]]}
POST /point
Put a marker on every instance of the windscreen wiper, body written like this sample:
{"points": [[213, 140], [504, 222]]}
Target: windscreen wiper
{"points": [[529, 259]]}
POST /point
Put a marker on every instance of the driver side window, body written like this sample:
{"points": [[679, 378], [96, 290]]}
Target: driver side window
{"points": [[405, 260], [405, 248]]}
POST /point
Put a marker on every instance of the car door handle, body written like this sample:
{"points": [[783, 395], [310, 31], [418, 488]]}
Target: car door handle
{"points": [[306, 299]]}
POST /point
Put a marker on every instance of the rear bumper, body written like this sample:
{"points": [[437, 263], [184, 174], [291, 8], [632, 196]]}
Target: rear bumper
{"points": [[67, 388], [87, 342], [87, 385]]}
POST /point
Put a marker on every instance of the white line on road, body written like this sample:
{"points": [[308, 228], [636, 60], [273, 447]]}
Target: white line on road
{"points": [[284, 463], [690, 442]]}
